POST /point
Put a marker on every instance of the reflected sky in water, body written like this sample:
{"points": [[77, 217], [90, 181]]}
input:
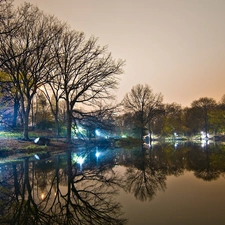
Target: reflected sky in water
{"points": [[187, 200], [163, 184]]}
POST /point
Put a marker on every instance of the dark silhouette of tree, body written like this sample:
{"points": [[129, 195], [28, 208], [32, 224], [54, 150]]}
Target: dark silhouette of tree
{"points": [[6, 14], [173, 119], [26, 54], [143, 179], [144, 104], [58, 191], [204, 106], [21, 204], [42, 113], [222, 100], [99, 118], [10, 98], [200, 161], [88, 73], [9, 95], [55, 191]]}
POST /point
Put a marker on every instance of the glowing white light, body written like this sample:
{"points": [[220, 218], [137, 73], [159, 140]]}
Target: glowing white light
{"points": [[36, 140], [80, 160], [79, 128], [97, 132], [36, 157], [97, 154]]}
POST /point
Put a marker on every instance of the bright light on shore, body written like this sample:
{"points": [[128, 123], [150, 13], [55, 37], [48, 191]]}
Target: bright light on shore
{"points": [[78, 159]]}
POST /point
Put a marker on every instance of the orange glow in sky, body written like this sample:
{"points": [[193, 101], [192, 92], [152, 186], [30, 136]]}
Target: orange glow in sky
{"points": [[175, 46]]}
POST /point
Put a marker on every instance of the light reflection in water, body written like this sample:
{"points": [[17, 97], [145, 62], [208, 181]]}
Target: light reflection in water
{"points": [[163, 184]]}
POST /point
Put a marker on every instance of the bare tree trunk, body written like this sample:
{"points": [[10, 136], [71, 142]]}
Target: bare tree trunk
{"points": [[68, 127], [15, 111], [56, 127], [25, 127], [56, 116], [25, 114]]}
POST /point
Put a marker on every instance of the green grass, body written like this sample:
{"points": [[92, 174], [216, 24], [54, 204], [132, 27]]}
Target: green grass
{"points": [[36, 147], [7, 134], [6, 148]]}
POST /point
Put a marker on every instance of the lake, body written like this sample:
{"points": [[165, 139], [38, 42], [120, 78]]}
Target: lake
{"points": [[163, 184]]}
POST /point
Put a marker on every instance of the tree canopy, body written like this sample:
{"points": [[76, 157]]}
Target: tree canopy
{"points": [[37, 50]]}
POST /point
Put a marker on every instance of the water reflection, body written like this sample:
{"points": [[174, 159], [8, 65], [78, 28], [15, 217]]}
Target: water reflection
{"points": [[55, 191], [204, 162], [143, 179], [62, 190]]}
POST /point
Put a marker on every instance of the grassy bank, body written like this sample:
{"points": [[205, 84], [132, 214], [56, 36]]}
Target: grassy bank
{"points": [[11, 143]]}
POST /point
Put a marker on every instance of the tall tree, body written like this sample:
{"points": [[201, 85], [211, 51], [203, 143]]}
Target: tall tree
{"points": [[143, 103], [87, 72], [26, 54], [9, 96], [154, 110], [204, 106]]}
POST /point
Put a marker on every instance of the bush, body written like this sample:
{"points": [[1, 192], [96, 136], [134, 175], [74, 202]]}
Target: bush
{"points": [[45, 125]]}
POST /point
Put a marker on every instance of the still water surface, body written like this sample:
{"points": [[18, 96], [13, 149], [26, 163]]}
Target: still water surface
{"points": [[165, 184]]}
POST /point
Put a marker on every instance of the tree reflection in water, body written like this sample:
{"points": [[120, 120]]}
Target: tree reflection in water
{"points": [[142, 179], [36, 193], [148, 167], [58, 191], [203, 162]]}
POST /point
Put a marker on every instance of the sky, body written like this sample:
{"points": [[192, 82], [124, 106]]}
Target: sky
{"points": [[175, 46]]}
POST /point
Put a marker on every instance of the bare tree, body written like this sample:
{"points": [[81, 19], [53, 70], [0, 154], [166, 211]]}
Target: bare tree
{"points": [[87, 72], [53, 93], [204, 106], [101, 117], [26, 54], [143, 102], [59, 193], [6, 15]]}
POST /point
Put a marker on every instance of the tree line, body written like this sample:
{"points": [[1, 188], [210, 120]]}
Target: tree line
{"points": [[50, 73], [145, 113]]}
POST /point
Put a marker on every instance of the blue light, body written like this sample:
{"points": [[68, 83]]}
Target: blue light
{"points": [[36, 157], [97, 154], [97, 132], [78, 159]]}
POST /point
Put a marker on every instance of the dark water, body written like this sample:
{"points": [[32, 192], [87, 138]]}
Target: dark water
{"points": [[165, 184]]}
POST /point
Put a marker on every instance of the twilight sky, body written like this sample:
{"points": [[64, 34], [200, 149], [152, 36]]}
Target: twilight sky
{"points": [[175, 46]]}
